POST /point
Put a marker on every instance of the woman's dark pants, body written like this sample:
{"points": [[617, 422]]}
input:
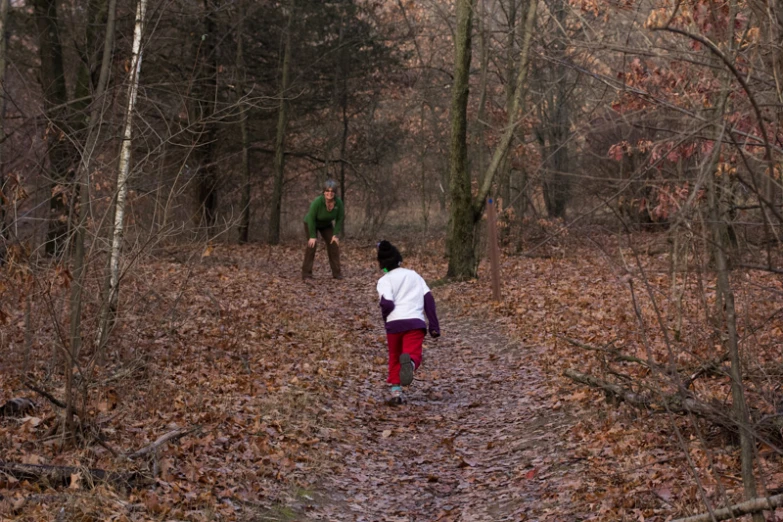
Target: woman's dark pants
{"points": [[333, 249]]}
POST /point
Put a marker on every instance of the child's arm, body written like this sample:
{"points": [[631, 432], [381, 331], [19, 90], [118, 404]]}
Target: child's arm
{"points": [[432, 314], [387, 298], [387, 307]]}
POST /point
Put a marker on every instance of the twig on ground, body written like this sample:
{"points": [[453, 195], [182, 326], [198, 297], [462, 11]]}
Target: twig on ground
{"points": [[172, 435]]}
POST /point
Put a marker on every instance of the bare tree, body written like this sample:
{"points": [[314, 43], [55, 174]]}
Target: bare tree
{"points": [[123, 173], [244, 110], [61, 152], [3, 59], [282, 122], [465, 211]]}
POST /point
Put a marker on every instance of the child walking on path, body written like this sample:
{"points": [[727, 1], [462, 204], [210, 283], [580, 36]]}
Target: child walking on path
{"points": [[405, 301]]}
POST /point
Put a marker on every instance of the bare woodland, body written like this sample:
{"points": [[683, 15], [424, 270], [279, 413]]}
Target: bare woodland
{"points": [[160, 358]]}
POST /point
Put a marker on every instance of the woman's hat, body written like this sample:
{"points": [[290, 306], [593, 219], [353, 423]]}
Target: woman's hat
{"points": [[389, 257]]}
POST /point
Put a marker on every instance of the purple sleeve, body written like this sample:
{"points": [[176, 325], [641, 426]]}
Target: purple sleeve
{"points": [[386, 307], [432, 315]]}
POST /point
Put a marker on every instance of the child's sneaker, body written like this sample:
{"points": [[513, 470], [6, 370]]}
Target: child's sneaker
{"points": [[406, 370], [396, 395]]}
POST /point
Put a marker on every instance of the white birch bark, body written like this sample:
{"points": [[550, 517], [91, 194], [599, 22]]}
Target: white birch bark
{"points": [[123, 172]]}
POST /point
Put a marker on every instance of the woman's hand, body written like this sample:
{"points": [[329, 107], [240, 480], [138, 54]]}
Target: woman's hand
{"points": [[311, 242], [335, 240]]}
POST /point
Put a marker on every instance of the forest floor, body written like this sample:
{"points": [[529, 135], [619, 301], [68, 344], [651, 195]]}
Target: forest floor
{"points": [[478, 438], [281, 385]]}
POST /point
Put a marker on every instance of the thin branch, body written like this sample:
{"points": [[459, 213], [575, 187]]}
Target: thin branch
{"points": [[717, 52], [172, 435]]}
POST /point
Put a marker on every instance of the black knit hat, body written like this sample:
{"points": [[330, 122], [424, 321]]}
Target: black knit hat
{"points": [[389, 257]]}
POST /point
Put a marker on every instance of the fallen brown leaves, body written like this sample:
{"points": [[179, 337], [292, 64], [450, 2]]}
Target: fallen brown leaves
{"points": [[284, 381]]}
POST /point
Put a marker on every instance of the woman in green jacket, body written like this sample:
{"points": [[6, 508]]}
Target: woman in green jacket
{"points": [[325, 216]]}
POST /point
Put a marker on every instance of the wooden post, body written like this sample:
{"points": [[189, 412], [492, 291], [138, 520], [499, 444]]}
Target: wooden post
{"points": [[492, 245]]}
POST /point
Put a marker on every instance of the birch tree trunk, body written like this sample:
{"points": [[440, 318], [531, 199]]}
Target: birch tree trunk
{"points": [[123, 171], [282, 120]]}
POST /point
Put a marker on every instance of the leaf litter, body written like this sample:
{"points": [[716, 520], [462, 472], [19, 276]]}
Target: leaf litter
{"points": [[284, 380]]}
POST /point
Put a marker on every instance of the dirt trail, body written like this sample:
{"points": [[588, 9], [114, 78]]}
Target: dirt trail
{"points": [[477, 440]]}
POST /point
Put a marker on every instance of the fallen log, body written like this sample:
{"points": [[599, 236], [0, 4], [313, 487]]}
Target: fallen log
{"points": [[737, 510], [62, 476], [709, 367], [660, 403], [631, 397]]}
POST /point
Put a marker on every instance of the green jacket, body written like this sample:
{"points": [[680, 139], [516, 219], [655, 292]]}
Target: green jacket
{"points": [[318, 217]]}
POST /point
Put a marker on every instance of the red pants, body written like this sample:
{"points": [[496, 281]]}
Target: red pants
{"points": [[404, 342]]}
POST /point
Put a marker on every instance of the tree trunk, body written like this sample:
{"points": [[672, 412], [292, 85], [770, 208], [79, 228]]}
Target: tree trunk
{"points": [[244, 224], [344, 141], [482, 125], [465, 214], [3, 51], [341, 86], [244, 227], [83, 188], [97, 12], [740, 408], [462, 264], [520, 91], [60, 151], [555, 152], [123, 172], [717, 229], [506, 182], [720, 247], [207, 173], [426, 196], [554, 130], [282, 121]]}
